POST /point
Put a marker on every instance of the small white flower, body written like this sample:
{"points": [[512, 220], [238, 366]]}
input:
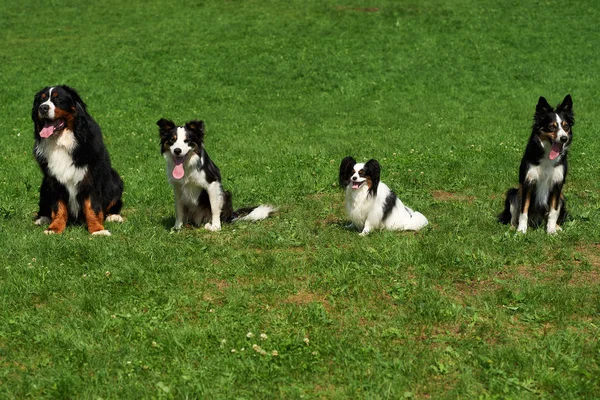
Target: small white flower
{"points": [[233, 350], [306, 340], [249, 335], [263, 336], [211, 310], [274, 353]]}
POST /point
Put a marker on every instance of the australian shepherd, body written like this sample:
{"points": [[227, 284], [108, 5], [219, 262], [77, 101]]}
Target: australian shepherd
{"points": [[370, 203], [79, 183], [196, 180], [543, 170]]}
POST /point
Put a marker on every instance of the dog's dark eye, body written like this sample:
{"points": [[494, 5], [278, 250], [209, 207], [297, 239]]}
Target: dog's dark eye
{"points": [[361, 172], [54, 94], [44, 96], [565, 126]]}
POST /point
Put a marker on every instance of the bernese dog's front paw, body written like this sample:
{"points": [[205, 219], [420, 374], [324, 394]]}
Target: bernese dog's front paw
{"points": [[103, 232], [114, 218]]}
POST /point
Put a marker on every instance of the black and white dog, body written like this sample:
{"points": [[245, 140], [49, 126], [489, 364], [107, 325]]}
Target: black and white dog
{"points": [[543, 170], [196, 180], [79, 182], [370, 203]]}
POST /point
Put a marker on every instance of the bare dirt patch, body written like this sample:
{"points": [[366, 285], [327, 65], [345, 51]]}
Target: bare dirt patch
{"points": [[303, 298]]}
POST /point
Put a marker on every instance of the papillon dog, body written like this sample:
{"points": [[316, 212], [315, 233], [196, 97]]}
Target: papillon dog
{"points": [[543, 170], [196, 180], [370, 203]]}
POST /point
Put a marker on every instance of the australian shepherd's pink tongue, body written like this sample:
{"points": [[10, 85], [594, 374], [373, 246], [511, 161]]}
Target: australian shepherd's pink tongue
{"points": [[178, 171], [555, 151]]}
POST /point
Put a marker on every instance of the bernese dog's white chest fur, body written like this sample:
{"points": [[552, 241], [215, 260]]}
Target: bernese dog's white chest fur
{"points": [[57, 151]]}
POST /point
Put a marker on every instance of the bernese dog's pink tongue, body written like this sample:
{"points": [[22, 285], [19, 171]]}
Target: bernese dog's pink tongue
{"points": [[47, 130], [178, 171], [555, 151]]}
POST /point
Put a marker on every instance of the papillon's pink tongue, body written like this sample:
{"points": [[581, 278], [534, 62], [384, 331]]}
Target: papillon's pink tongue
{"points": [[555, 151], [47, 130], [178, 171]]}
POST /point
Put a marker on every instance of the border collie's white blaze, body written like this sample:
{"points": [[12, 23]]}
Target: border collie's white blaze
{"points": [[196, 180], [370, 203]]}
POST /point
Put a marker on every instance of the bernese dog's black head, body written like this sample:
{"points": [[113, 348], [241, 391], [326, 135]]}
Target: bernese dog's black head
{"points": [[54, 109], [178, 143], [554, 125], [355, 175]]}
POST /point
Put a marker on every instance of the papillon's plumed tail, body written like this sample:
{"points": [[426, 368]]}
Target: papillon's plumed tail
{"points": [[253, 213], [417, 221]]}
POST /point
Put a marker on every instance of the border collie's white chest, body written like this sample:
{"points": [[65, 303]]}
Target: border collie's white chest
{"points": [[191, 185], [545, 175], [57, 151]]}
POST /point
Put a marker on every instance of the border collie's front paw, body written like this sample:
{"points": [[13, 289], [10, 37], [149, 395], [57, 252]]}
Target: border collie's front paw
{"points": [[212, 228]]}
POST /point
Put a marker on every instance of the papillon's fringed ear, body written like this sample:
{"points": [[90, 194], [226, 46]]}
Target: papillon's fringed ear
{"points": [[197, 127], [543, 106], [164, 126], [566, 108], [373, 171], [346, 171]]}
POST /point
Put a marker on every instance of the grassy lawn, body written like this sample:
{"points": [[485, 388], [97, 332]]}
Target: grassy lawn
{"points": [[442, 93]]}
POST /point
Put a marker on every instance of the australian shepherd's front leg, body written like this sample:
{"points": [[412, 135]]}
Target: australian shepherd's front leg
{"points": [[524, 202]]}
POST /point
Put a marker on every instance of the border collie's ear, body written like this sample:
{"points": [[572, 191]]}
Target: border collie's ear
{"points": [[543, 106], [373, 170], [197, 127], [566, 108], [346, 171], [164, 126], [80, 106]]}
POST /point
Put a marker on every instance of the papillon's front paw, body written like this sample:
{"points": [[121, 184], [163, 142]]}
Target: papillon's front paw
{"points": [[114, 218]]}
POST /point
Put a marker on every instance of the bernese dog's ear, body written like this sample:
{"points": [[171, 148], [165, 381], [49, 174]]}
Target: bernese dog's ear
{"points": [[164, 126], [543, 106], [566, 108], [80, 106], [373, 171], [346, 171], [197, 127]]}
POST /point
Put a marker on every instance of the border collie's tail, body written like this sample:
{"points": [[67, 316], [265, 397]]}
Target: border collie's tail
{"points": [[505, 216], [253, 213]]}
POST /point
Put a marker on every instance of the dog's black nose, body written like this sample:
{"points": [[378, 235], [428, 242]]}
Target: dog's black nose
{"points": [[564, 139], [177, 151], [44, 108], [353, 178]]}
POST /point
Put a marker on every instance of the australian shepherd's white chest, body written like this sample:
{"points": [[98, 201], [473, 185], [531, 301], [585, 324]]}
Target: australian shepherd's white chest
{"points": [[370, 203], [196, 180], [543, 170]]}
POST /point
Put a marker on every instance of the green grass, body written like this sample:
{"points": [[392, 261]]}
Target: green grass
{"points": [[441, 93]]}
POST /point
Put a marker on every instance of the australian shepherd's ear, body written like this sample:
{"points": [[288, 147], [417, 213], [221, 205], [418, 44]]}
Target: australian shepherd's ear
{"points": [[543, 106], [373, 171], [197, 127], [165, 125], [346, 171], [566, 109]]}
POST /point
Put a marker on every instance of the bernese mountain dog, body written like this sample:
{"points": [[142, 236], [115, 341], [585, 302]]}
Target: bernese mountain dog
{"points": [[196, 180], [79, 183]]}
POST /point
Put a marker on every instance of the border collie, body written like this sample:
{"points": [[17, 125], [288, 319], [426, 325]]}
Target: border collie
{"points": [[370, 203], [196, 180], [79, 183], [543, 170]]}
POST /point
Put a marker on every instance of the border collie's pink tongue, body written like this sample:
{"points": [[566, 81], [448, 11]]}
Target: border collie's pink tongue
{"points": [[178, 171], [49, 128], [555, 151]]}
